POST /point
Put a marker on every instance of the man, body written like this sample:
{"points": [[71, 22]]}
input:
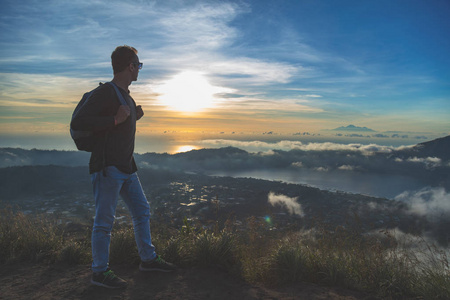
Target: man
{"points": [[113, 168]]}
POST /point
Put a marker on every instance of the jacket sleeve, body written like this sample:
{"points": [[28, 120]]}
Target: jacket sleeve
{"points": [[97, 114]]}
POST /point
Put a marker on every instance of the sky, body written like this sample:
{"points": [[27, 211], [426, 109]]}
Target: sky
{"points": [[233, 68]]}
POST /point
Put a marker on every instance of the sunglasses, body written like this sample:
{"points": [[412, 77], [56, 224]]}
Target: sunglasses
{"points": [[139, 64]]}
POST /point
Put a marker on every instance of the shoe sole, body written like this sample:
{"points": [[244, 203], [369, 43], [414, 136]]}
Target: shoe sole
{"points": [[107, 286]]}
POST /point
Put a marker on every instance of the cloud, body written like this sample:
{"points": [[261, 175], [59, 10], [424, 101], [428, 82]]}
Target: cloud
{"points": [[347, 168], [76, 38], [200, 37], [429, 202], [256, 146], [355, 135], [200, 27], [254, 72], [379, 135], [429, 162], [290, 203], [22, 89], [297, 145], [297, 164], [403, 136], [241, 45]]}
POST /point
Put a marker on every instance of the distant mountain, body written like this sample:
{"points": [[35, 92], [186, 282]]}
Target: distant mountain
{"points": [[234, 159], [426, 164], [10, 157], [353, 128]]}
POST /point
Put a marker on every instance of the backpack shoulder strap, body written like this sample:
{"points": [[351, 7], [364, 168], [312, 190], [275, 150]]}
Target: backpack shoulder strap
{"points": [[119, 94]]}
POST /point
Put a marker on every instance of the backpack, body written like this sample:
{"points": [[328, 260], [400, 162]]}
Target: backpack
{"points": [[86, 140]]}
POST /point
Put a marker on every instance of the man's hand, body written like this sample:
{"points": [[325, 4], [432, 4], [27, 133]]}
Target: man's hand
{"points": [[122, 114], [139, 112]]}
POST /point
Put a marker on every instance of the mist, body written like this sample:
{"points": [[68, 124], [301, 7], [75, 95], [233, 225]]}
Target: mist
{"points": [[433, 203]]}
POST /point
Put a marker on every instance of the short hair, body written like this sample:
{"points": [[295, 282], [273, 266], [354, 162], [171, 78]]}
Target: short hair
{"points": [[121, 57]]}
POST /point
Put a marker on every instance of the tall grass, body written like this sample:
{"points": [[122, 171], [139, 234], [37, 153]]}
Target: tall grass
{"points": [[24, 238], [195, 246], [381, 264], [212, 249], [123, 245]]}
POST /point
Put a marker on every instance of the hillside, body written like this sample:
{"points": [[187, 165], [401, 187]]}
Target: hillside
{"points": [[437, 148], [206, 202], [177, 194], [176, 187], [66, 191]]}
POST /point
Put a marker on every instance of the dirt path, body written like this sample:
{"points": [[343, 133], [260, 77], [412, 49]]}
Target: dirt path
{"points": [[56, 282]]}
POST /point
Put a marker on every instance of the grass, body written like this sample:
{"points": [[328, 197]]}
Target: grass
{"points": [[381, 264], [26, 238]]}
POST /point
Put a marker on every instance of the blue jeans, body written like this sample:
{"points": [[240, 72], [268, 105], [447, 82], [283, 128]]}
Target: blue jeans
{"points": [[106, 192]]}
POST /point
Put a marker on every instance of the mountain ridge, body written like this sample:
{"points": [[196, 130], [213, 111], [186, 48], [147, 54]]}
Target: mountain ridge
{"points": [[10, 156]]}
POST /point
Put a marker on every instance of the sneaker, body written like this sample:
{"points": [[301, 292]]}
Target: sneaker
{"points": [[158, 264], [108, 280]]}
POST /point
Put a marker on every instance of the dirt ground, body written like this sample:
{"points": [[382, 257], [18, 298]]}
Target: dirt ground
{"points": [[37, 281]]}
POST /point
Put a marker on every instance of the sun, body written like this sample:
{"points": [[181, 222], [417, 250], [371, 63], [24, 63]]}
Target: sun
{"points": [[185, 148], [188, 91]]}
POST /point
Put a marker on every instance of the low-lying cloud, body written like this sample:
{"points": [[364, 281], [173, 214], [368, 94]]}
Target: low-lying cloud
{"points": [[428, 161], [346, 168], [429, 202], [289, 203], [286, 145]]}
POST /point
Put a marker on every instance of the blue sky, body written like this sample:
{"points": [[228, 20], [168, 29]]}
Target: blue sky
{"points": [[272, 66]]}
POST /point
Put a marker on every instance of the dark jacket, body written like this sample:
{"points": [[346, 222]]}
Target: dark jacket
{"points": [[115, 144]]}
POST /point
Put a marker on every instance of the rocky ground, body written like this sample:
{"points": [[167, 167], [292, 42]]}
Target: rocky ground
{"points": [[38, 281]]}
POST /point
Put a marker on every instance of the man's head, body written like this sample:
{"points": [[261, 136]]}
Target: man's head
{"points": [[125, 58]]}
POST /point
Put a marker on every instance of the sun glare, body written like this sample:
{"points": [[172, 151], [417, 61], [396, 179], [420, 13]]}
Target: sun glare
{"points": [[188, 91], [185, 148]]}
